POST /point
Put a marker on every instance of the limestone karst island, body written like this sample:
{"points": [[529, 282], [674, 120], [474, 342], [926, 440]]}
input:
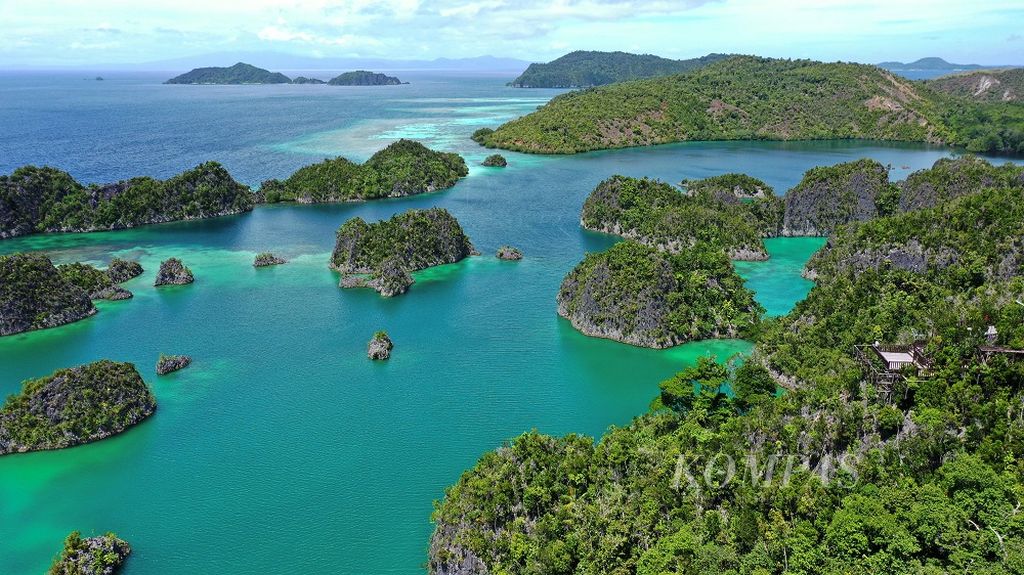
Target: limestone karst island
{"points": [[512, 288]]}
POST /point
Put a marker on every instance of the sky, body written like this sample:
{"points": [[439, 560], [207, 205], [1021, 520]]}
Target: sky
{"points": [[48, 33]]}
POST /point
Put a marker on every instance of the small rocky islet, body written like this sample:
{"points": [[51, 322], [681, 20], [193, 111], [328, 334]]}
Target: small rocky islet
{"points": [[380, 346], [100, 555], [73, 406], [381, 255], [169, 363], [266, 259], [173, 272], [121, 270], [509, 253], [494, 161]]}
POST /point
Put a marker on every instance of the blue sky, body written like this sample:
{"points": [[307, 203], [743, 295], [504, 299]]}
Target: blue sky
{"points": [[73, 33]]}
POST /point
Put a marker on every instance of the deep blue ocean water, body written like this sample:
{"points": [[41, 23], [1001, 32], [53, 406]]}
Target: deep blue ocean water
{"points": [[282, 448]]}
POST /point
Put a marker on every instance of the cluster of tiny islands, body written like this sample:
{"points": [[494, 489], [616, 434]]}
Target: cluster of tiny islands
{"points": [[928, 269]]}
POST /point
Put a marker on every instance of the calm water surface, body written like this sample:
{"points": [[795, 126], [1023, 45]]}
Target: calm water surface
{"points": [[282, 448]]}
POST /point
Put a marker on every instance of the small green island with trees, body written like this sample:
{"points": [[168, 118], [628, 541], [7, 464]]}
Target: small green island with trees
{"points": [[381, 255]]}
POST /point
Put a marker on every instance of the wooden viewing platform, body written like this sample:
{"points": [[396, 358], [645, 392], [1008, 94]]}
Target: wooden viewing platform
{"points": [[885, 364]]}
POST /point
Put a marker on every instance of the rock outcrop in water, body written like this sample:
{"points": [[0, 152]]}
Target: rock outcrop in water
{"points": [[173, 272], [509, 253], [831, 196], [74, 406], [388, 250], [121, 270], [495, 161], [642, 296], [267, 259], [45, 199], [658, 215], [95, 282], [34, 295], [403, 168], [168, 363], [380, 346], [101, 555]]}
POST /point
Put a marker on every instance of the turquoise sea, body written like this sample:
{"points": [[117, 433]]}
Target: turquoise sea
{"points": [[282, 449]]}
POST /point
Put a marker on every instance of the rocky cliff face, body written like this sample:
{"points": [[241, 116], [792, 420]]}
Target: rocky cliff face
{"points": [[102, 555], [34, 295], [639, 295], [380, 346], [74, 406], [951, 178], [829, 197]]}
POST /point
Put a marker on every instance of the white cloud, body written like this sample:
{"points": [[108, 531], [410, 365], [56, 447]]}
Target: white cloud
{"points": [[865, 30]]}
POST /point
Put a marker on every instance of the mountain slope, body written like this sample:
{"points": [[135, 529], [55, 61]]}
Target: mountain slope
{"points": [[584, 69], [738, 98], [984, 85]]}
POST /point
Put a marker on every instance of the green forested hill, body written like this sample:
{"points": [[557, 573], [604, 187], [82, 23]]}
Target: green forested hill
{"points": [[586, 68], [761, 99], [240, 73]]}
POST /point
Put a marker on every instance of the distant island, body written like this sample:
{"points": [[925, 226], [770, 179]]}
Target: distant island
{"points": [[240, 73], [732, 99], [364, 78], [584, 69], [50, 200], [1005, 85], [403, 168], [930, 63]]}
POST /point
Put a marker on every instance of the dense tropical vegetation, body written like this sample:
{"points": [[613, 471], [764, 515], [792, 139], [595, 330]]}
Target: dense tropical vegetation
{"points": [[49, 200], [644, 296], [750, 98], [102, 555], [403, 168], [416, 238], [793, 460], [34, 295], [585, 68], [73, 406], [659, 215]]}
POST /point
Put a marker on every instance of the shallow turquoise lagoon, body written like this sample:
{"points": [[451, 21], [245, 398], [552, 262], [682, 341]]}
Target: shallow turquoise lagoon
{"points": [[282, 448]]}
